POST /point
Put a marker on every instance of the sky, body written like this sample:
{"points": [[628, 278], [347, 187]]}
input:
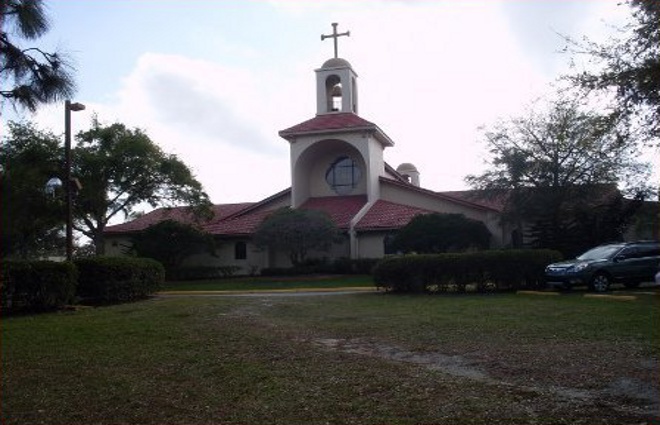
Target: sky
{"points": [[213, 81]]}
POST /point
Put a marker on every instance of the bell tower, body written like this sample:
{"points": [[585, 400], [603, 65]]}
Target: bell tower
{"points": [[337, 153], [336, 82]]}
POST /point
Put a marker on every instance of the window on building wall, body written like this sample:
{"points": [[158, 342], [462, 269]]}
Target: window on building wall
{"points": [[343, 175], [240, 251]]}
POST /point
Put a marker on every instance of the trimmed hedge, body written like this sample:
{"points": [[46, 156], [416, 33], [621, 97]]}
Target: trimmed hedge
{"points": [[118, 279], [355, 266], [201, 272], [322, 266], [480, 271], [36, 285]]}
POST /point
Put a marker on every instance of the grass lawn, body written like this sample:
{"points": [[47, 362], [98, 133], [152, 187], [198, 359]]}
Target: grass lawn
{"points": [[337, 359], [268, 283]]}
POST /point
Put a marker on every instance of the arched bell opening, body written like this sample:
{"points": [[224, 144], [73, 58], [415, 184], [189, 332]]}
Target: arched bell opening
{"points": [[334, 93]]}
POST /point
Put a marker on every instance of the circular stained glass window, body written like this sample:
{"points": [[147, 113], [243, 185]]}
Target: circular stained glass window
{"points": [[343, 175]]}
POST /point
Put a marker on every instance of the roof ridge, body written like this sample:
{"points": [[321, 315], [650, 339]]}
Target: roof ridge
{"points": [[257, 204], [439, 194]]}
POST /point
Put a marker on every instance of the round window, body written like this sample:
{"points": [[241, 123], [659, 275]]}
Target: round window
{"points": [[343, 175]]}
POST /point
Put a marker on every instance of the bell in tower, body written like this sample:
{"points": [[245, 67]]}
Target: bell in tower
{"points": [[335, 96]]}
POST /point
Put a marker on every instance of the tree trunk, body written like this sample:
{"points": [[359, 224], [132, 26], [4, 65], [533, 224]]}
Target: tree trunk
{"points": [[99, 243]]}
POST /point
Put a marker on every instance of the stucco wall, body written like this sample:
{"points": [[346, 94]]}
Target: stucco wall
{"points": [[337, 250], [225, 251], [420, 199], [311, 157], [370, 245]]}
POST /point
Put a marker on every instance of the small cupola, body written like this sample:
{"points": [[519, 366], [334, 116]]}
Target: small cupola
{"points": [[409, 172]]}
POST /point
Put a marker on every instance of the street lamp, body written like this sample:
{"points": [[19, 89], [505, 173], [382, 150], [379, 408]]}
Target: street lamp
{"points": [[68, 107]]}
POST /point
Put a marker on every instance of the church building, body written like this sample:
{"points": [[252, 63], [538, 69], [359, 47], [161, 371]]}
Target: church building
{"points": [[337, 161]]}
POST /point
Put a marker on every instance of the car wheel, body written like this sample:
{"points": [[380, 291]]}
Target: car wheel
{"points": [[600, 283], [631, 285]]}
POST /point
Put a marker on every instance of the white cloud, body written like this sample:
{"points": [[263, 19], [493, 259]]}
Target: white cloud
{"points": [[211, 117], [430, 73], [429, 80]]}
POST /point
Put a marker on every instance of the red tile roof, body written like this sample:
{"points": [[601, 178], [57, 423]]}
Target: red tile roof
{"points": [[385, 215], [239, 225], [479, 197], [182, 214], [341, 209], [243, 219], [333, 123], [337, 121]]}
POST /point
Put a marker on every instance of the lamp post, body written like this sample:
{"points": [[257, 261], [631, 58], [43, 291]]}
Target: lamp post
{"points": [[68, 107]]}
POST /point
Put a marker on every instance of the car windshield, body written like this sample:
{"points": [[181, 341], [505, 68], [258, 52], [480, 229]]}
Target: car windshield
{"points": [[600, 252]]}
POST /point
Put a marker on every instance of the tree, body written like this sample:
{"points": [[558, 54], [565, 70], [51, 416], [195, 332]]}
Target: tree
{"points": [[31, 221], [30, 76], [582, 218], [436, 233], [628, 66], [171, 242], [560, 144], [121, 168], [296, 232], [547, 163]]}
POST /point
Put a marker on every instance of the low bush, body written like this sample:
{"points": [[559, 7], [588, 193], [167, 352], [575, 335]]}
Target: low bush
{"points": [[288, 271], [36, 285], [118, 279], [355, 266], [479, 271], [201, 272], [323, 266]]}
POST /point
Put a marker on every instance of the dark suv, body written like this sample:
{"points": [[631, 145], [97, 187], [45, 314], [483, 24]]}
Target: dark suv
{"points": [[630, 263]]}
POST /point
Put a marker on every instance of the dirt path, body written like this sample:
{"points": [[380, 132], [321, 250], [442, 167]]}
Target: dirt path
{"points": [[641, 393]]}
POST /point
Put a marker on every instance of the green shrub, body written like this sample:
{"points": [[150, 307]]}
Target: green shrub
{"points": [[36, 285], [323, 266], [287, 271], [118, 279], [201, 272], [483, 271], [354, 266]]}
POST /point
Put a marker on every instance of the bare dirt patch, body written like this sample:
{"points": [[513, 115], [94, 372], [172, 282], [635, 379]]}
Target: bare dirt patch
{"points": [[575, 374]]}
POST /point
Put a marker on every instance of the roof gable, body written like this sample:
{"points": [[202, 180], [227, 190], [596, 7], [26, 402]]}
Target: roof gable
{"points": [[445, 196]]}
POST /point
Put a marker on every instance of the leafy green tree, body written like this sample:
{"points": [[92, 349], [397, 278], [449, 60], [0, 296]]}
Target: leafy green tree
{"points": [[547, 163], [560, 144], [30, 76], [122, 168], [628, 66], [296, 232], [32, 222], [575, 219], [436, 233], [171, 242]]}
